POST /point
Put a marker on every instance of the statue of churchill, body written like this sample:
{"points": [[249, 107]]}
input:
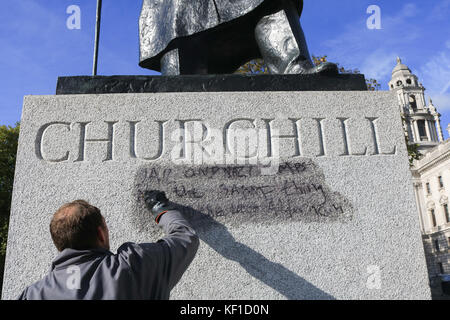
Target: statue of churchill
{"points": [[179, 37]]}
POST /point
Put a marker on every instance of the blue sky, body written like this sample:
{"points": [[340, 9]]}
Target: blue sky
{"points": [[36, 46]]}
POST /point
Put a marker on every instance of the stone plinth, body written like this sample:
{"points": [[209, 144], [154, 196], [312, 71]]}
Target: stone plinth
{"points": [[318, 205]]}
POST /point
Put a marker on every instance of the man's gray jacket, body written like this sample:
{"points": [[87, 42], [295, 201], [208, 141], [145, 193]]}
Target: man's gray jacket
{"points": [[137, 271]]}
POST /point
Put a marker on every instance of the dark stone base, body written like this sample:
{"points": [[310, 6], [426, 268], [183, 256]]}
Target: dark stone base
{"points": [[209, 83]]}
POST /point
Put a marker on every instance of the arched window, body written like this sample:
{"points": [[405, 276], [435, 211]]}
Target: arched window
{"points": [[446, 212], [422, 130], [441, 182], [413, 102], [433, 218], [399, 83]]}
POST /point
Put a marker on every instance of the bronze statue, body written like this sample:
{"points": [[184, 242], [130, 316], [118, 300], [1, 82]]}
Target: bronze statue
{"points": [[180, 37]]}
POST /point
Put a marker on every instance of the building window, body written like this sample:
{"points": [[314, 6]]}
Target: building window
{"points": [[413, 102], [399, 83], [447, 214], [441, 268], [422, 130], [408, 81], [433, 217], [428, 188], [441, 182], [436, 245]]}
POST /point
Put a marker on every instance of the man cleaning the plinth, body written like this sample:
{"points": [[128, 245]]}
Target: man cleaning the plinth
{"points": [[86, 269]]}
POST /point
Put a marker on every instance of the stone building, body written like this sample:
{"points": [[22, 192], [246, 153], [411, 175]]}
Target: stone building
{"points": [[420, 120], [431, 174]]}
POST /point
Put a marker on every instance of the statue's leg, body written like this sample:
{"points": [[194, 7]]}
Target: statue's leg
{"points": [[194, 56], [189, 58], [282, 43], [278, 45], [170, 63]]}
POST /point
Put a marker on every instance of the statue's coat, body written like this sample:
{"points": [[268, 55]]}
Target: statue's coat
{"points": [[227, 24]]}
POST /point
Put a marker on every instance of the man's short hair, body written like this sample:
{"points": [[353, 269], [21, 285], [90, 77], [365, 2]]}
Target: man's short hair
{"points": [[75, 225]]}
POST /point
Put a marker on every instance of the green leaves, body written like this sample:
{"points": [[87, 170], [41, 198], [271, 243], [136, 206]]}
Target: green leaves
{"points": [[9, 138], [413, 148], [413, 152], [372, 84], [3, 237], [256, 66]]}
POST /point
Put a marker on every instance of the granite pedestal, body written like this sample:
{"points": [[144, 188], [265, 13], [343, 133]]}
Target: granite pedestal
{"points": [[294, 195]]}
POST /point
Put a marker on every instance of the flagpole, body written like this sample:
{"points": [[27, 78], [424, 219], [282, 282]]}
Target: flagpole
{"points": [[97, 36]]}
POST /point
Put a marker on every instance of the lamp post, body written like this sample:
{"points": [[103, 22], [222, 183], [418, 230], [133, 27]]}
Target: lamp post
{"points": [[97, 36]]}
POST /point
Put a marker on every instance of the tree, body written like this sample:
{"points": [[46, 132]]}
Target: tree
{"points": [[372, 84], [256, 66], [413, 148], [413, 152], [9, 137]]}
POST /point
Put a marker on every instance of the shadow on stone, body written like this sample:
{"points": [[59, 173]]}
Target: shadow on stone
{"points": [[274, 275]]}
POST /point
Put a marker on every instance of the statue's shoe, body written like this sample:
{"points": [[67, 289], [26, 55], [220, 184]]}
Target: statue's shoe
{"points": [[323, 68], [306, 67]]}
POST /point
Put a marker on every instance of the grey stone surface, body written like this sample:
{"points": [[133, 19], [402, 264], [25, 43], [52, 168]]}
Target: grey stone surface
{"points": [[334, 219]]}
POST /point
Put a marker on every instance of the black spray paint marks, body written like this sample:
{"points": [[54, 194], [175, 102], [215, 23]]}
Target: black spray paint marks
{"points": [[240, 194]]}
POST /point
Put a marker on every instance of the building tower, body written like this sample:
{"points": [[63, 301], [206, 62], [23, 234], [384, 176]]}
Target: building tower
{"points": [[420, 120]]}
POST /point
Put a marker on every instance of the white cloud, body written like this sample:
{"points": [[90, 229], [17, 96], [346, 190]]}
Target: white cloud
{"points": [[378, 64], [435, 75], [375, 51], [441, 102], [409, 10], [440, 11]]}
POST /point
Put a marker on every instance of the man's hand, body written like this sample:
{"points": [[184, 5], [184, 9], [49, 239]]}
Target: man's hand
{"points": [[157, 202]]}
